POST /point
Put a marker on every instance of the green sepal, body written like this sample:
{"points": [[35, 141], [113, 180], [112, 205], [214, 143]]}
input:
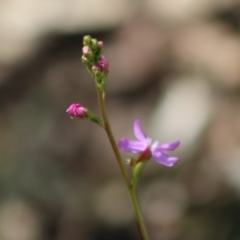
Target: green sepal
{"points": [[94, 118], [137, 169]]}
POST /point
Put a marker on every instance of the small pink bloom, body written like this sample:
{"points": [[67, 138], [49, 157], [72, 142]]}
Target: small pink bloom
{"points": [[147, 148], [77, 110]]}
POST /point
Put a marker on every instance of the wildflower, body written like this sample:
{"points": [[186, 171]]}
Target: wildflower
{"points": [[77, 110], [147, 149]]}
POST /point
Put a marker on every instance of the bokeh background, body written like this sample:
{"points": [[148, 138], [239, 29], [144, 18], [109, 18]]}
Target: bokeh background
{"points": [[174, 64]]}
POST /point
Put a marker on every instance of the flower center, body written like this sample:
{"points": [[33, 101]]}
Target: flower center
{"points": [[150, 145], [145, 155]]}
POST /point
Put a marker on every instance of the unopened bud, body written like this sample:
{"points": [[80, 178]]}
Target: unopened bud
{"points": [[101, 66], [100, 44], [77, 110], [86, 50], [84, 60], [94, 43], [87, 40]]}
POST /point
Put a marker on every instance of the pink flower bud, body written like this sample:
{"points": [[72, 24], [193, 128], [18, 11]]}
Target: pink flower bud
{"points": [[100, 44], [77, 110], [103, 63], [86, 50], [101, 66]]}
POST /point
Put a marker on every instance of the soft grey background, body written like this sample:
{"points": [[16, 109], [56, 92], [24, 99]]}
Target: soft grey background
{"points": [[173, 64]]}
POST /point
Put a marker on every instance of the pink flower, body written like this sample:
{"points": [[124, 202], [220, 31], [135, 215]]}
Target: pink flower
{"points": [[77, 110], [148, 149]]}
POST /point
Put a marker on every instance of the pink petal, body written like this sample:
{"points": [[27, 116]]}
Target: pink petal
{"points": [[164, 159], [169, 146], [131, 146], [138, 131]]}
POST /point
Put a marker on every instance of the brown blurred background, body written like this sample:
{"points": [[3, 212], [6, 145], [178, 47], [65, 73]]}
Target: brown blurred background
{"points": [[174, 64]]}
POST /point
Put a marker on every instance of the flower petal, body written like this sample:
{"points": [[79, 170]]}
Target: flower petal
{"points": [[164, 159], [138, 131], [169, 146], [172, 161], [131, 146]]}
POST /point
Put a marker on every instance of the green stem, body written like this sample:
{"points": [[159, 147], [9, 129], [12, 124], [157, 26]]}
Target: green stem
{"points": [[138, 213], [111, 138], [131, 187]]}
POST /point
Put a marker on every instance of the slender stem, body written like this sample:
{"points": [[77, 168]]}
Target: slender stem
{"points": [[138, 213], [131, 187], [111, 139]]}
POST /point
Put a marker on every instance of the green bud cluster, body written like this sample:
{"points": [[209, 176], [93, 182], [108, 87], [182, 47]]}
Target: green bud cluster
{"points": [[93, 55], [96, 63]]}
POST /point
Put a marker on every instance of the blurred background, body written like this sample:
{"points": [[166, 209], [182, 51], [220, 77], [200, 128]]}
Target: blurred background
{"points": [[173, 64]]}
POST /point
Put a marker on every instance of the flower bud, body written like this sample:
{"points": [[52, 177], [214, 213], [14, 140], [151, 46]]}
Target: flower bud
{"points": [[103, 63], [100, 44], [86, 50], [84, 60], [101, 66], [77, 110], [87, 40], [94, 44]]}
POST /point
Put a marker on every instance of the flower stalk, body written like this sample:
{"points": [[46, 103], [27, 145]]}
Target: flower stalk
{"points": [[131, 185], [98, 67], [109, 133]]}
